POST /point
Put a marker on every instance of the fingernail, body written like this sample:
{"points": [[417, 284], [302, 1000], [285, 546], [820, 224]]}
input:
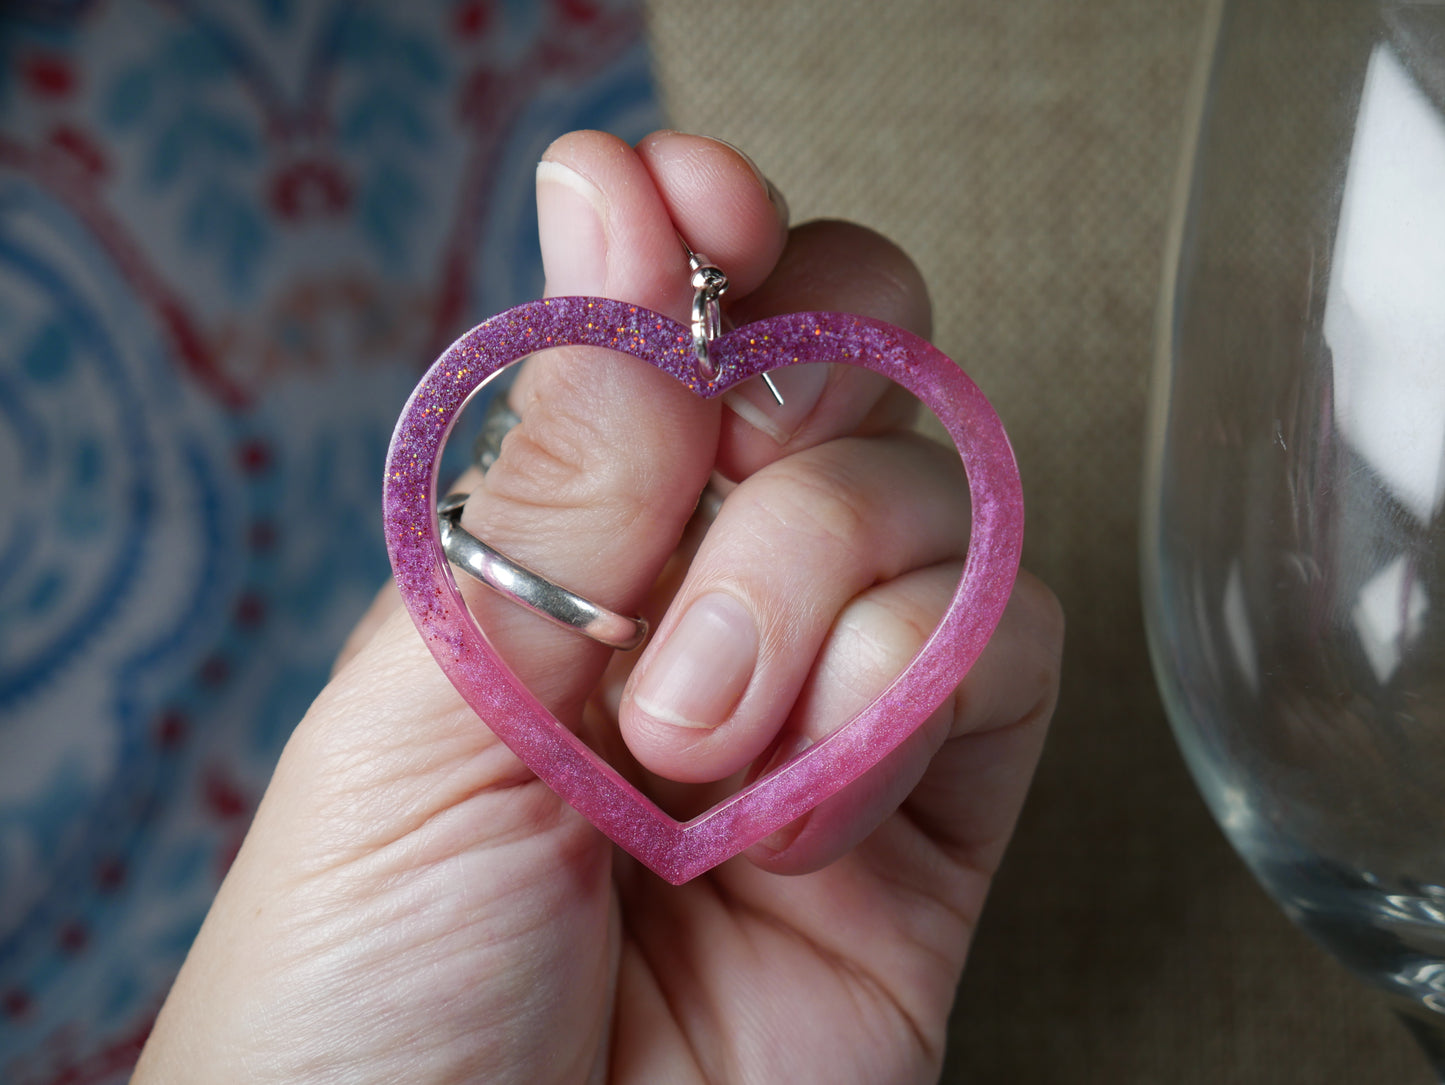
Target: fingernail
{"points": [[801, 386], [700, 671], [774, 196], [786, 748], [570, 211], [783, 838]]}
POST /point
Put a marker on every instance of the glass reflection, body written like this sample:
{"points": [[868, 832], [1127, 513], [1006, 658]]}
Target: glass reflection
{"points": [[1384, 318]]}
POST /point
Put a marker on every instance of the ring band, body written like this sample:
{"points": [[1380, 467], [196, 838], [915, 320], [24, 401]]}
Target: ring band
{"points": [[499, 419], [530, 589]]}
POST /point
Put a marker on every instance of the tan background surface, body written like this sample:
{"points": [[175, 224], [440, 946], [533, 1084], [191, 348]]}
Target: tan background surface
{"points": [[1024, 152]]}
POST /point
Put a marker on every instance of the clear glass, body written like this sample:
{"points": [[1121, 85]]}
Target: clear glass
{"points": [[1294, 512]]}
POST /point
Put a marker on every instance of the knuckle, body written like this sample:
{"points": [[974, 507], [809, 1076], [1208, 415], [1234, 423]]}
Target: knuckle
{"points": [[1045, 613], [1035, 664], [559, 456], [538, 467], [876, 636], [878, 632], [813, 496], [867, 265]]}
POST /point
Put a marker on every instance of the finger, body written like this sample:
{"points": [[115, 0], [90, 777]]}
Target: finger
{"points": [[963, 774], [826, 266], [594, 486], [971, 795], [790, 547], [711, 187]]}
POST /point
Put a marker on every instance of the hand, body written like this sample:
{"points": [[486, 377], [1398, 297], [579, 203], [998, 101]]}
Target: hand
{"points": [[413, 905]]}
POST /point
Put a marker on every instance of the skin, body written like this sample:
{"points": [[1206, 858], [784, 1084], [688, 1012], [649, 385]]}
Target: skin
{"points": [[411, 904]]}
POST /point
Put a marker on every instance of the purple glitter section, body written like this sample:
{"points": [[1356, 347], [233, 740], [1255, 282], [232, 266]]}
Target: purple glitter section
{"points": [[681, 851]]}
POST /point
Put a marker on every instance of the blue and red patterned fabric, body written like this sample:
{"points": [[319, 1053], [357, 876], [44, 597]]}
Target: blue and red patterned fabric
{"points": [[232, 235]]}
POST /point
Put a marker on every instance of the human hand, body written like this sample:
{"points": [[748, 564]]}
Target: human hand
{"points": [[412, 904]]}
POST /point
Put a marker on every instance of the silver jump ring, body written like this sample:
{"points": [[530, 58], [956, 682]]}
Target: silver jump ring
{"points": [[530, 589], [708, 284]]}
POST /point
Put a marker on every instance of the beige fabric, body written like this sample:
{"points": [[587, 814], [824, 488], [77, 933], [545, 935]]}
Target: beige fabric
{"points": [[1024, 153]]}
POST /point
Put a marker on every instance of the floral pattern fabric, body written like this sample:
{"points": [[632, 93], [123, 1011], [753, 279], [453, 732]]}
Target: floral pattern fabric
{"points": [[232, 235]]}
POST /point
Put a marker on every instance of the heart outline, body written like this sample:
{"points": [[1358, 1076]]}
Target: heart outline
{"points": [[680, 851]]}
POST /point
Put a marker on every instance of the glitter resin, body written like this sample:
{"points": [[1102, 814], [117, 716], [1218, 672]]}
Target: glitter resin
{"points": [[679, 851]]}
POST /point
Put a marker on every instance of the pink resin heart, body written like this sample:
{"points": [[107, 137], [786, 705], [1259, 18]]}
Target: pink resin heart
{"points": [[679, 851]]}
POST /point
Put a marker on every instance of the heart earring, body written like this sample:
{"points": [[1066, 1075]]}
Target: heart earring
{"points": [[709, 363]]}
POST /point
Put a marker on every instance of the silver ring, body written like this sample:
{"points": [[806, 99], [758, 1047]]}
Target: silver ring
{"points": [[521, 584], [530, 589], [498, 420]]}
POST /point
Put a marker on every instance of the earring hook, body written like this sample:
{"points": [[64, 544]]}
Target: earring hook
{"points": [[709, 283]]}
